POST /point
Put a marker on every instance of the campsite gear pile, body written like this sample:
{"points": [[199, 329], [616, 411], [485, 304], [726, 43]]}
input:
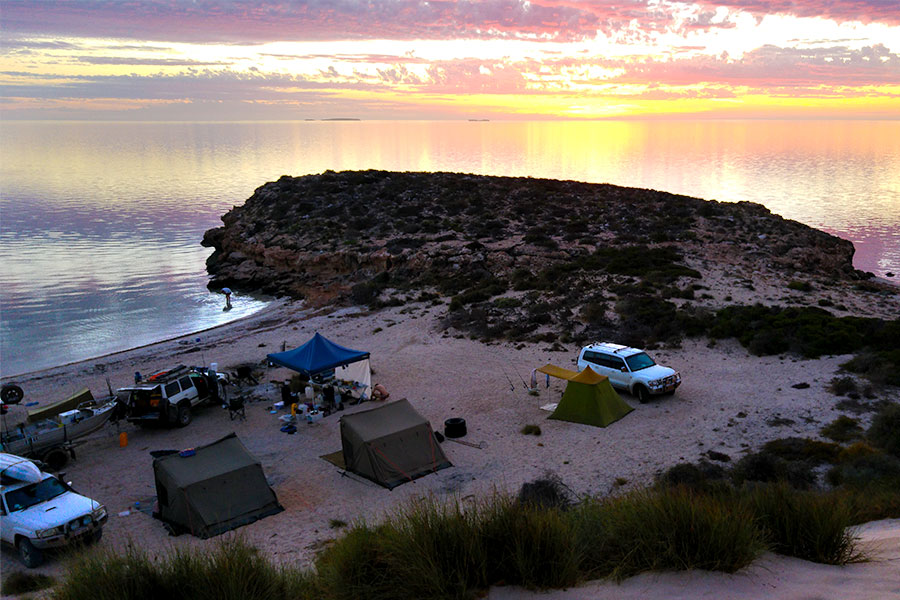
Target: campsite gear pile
{"points": [[321, 361], [328, 374]]}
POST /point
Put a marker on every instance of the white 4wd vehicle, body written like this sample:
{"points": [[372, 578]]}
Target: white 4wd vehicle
{"points": [[170, 396], [39, 511], [629, 369]]}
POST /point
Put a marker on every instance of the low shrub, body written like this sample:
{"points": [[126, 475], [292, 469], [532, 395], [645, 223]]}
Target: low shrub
{"points": [[697, 476], [800, 286], [547, 492], [865, 470], [759, 466], [531, 430], [810, 331], [884, 432], [881, 367], [505, 303], [842, 429], [856, 450], [841, 386], [797, 449], [18, 582], [365, 293]]}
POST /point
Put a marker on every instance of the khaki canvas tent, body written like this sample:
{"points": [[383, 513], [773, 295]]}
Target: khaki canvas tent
{"points": [[589, 398], [390, 445], [213, 489]]}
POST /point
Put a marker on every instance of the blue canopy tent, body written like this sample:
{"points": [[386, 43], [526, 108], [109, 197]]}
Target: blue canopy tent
{"points": [[317, 355]]}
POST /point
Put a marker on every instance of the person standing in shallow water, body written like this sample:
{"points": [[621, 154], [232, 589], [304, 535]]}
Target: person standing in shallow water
{"points": [[227, 292]]}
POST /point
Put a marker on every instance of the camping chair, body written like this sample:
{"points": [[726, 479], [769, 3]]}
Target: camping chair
{"points": [[236, 408]]}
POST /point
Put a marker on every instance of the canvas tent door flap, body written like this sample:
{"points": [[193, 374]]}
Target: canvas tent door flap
{"points": [[215, 488], [589, 398], [390, 445]]}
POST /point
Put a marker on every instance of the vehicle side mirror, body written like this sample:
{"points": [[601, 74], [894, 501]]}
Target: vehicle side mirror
{"points": [[623, 369]]}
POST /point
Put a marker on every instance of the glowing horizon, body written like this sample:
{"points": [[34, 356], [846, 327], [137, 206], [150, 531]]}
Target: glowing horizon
{"points": [[450, 59]]}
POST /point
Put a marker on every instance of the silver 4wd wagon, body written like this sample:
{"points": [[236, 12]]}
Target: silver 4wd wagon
{"points": [[39, 511], [170, 396], [629, 369]]}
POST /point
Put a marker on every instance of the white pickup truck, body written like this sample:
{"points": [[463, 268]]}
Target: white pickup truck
{"points": [[39, 511]]}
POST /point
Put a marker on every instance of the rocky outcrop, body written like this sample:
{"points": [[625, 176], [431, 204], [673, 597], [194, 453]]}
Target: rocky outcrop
{"points": [[346, 236]]}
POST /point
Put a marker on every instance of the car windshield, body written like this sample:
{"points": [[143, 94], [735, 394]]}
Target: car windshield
{"points": [[35, 493], [639, 361]]}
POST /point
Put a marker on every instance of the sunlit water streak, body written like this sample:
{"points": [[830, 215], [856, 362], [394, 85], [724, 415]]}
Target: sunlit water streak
{"points": [[100, 223]]}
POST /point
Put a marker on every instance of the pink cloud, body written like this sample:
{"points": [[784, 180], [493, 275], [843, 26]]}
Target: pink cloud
{"points": [[867, 11]]}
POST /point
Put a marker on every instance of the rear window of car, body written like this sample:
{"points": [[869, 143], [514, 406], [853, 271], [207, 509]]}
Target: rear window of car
{"points": [[172, 389], [185, 383], [604, 360]]}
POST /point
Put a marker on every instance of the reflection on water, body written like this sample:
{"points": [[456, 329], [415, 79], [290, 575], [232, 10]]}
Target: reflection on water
{"points": [[100, 223]]}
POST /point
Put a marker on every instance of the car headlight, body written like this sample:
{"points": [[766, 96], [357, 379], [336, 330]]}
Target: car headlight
{"points": [[655, 383], [45, 533], [99, 514]]}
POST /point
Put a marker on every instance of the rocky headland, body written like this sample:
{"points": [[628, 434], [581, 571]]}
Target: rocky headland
{"points": [[528, 259]]}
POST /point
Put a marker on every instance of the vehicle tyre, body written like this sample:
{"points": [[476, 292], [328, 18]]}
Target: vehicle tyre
{"points": [[56, 459], [455, 427], [11, 394], [184, 416], [30, 556], [642, 393]]}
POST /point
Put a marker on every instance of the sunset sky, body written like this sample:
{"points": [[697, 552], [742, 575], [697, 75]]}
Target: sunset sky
{"points": [[446, 59]]}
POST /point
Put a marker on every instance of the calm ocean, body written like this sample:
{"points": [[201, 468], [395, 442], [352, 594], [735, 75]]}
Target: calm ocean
{"points": [[100, 223]]}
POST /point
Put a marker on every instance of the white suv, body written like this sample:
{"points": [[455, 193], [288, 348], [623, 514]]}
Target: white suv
{"points": [[40, 511], [629, 369]]}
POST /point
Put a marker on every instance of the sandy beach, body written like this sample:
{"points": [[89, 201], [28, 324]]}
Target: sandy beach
{"points": [[730, 402]]}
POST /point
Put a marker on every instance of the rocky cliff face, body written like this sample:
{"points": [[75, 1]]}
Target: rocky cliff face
{"points": [[345, 236]]}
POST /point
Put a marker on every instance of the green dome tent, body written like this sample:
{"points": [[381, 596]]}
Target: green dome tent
{"points": [[589, 398]]}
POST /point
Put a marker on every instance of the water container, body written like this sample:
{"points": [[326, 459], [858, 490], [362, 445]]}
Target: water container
{"points": [[214, 367]]}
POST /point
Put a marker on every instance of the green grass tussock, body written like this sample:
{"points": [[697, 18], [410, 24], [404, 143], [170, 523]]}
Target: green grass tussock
{"points": [[454, 551], [805, 524], [233, 570], [667, 529]]}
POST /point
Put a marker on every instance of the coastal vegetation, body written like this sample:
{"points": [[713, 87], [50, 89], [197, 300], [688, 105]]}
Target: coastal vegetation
{"points": [[450, 550], [696, 516]]}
